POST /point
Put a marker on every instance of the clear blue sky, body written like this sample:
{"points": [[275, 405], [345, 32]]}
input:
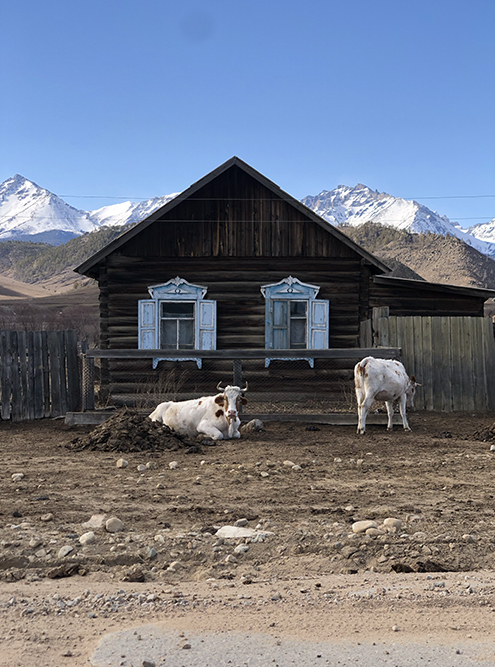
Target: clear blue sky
{"points": [[134, 99]]}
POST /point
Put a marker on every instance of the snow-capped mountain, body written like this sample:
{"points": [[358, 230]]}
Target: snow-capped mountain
{"points": [[355, 206], [29, 212]]}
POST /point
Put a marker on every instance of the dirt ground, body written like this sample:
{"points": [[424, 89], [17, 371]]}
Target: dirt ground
{"points": [[302, 571]]}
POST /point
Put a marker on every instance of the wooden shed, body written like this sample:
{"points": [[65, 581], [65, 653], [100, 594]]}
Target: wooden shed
{"points": [[236, 263]]}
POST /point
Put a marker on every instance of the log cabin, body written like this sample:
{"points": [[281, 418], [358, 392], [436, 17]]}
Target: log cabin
{"points": [[236, 263]]}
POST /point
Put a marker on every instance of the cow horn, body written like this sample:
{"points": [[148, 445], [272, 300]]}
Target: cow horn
{"points": [[246, 387], [219, 387]]}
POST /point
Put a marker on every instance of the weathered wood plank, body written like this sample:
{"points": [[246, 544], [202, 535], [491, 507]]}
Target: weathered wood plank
{"points": [[55, 373], [5, 373], [38, 375], [332, 353]]}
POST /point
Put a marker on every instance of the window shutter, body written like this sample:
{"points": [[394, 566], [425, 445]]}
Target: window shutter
{"points": [[207, 325], [319, 324], [147, 324]]}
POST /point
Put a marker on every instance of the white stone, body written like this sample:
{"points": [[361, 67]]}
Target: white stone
{"points": [[159, 538], [122, 463], [231, 559], [96, 521], [17, 476], [87, 538], [150, 465], [234, 532], [363, 526], [296, 468], [35, 542], [114, 525], [255, 425], [241, 549], [141, 467], [173, 465], [390, 522], [289, 463], [65, 551]]}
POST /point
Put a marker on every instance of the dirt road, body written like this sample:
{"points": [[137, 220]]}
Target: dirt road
{"points": [[301, 573]]}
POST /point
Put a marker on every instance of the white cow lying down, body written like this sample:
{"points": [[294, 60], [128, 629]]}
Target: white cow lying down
{"points": [[214, 416], [383, 380]]}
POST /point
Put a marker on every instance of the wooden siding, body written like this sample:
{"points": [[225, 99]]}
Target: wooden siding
{"points": [[236, 216], [408, 301], [452, 357]]}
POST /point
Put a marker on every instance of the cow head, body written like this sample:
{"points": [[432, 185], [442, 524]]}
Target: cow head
{"points": [[410, 391], [231, 399]]}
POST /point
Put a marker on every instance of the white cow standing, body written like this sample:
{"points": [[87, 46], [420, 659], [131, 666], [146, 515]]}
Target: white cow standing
{"points": [[383, 380], [214, 416]]}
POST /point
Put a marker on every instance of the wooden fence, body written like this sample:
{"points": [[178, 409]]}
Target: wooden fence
{"points": [[452, 357], [39, 374]]}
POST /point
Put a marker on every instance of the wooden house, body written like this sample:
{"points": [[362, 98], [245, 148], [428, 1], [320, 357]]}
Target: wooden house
{"points": [[236, 263]]}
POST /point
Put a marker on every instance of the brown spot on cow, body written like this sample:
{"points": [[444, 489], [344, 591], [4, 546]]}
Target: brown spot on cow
{"points": [[199, 402], [218, 413], [219, 400]]}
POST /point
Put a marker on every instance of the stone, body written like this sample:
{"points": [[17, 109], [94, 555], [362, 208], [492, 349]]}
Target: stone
{"points": [[114, 525], [17, 476], [241, 549], [363, 526], [96, 521], [141, 467], [289, 463], [253, 426], [173, 465], [87, 538], [65, 551], [240, 523], [375, 532], [390, 522], [231, 559], [122, 463], [46, 517]]}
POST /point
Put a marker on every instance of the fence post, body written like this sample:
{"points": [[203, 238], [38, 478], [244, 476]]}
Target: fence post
{"points": [[378, 313], [237, 377], [88, 379]]}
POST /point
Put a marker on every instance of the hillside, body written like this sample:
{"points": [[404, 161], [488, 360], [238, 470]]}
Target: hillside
{"points": [[436, 258], [51, 266]]}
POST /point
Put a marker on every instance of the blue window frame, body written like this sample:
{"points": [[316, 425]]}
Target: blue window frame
{"points": [[294, 318], [177, 317]]}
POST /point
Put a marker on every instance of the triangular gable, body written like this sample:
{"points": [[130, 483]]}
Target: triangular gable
{"points": [[87, 266]]}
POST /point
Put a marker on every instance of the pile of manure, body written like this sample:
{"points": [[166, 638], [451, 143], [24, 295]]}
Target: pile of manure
{"points": [[130, 431]]}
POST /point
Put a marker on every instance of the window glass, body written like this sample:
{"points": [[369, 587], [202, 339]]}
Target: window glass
{"points": [[177, 309], [177, 325]]}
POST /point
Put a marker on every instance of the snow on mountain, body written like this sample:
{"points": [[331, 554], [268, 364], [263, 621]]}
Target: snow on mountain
{"points": [[355, 206], [128, 212], [29, 212]]}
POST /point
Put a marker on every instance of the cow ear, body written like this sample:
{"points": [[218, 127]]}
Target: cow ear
{"points": [[244, 400], [219, 399], [413, 379]]}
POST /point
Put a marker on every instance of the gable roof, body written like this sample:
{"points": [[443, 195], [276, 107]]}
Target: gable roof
{"points": [[87, 267]]}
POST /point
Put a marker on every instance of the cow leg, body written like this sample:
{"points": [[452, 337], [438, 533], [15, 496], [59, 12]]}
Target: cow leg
{"points": [[234, 429], [390, 412], [210, 430], [363, 410], [402, 408]]}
